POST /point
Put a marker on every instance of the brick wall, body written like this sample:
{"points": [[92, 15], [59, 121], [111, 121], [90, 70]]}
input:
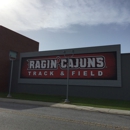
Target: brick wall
{"points": [[12, 41]]}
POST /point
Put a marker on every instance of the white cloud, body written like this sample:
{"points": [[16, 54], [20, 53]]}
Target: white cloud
{"points": [[56, 14]]}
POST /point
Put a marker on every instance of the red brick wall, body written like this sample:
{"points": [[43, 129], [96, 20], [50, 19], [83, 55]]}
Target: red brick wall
{"points": [[12, 41]]}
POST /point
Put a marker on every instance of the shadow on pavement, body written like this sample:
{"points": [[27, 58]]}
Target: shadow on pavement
{"points": [[18, 106]]}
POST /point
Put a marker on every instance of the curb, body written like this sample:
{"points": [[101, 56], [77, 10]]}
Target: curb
{"points": [[67, 106]]}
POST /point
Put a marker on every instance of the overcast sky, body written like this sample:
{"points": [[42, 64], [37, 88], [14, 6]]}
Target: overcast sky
{"points": [[61, 24]]}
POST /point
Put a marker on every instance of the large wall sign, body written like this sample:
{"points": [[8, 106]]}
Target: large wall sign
{"points": [[95, 66], [81, 66]]}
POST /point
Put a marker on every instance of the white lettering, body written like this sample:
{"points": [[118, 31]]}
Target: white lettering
{"points": [[62, 73], [63, 63], [100, 73], [34, 72], [76, 63], [48, 63], [43, 64], [40, 73], [51, 72], [29, 72], [92, 74], [37, 65], [45, 73], [91, 62], [71, 63], [53, 64], [73, 72], [82, 62], [78, 73], [31, 64], [85, 73], [100, 62]]}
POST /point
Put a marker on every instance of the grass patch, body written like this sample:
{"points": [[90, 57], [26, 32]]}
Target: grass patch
{"points": [[103, 103]]}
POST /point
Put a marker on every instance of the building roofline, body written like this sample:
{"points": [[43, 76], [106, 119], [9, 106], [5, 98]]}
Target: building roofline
{"points": [[17, 33]]}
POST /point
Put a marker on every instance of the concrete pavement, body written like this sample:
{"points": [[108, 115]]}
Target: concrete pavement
{"points": [[68, 106]]}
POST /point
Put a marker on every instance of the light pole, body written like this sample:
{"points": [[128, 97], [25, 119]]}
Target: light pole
{"points": [[12, 57], [9, 95], [67, 87]]}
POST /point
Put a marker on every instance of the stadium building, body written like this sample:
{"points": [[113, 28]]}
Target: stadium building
{"points": [[94, 72]]}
